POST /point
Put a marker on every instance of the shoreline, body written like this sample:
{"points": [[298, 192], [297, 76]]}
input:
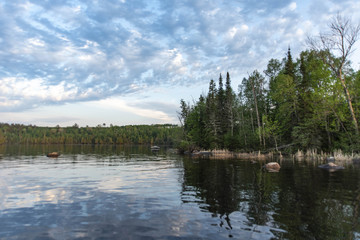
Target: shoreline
{"points": [[337, 155]]}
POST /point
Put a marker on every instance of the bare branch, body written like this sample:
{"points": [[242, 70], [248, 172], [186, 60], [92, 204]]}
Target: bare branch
{"points": [[334, 48]]}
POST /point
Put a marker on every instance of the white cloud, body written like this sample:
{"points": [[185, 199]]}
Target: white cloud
{"points": [[35, 90], [119, 104], [36, 42], [292, 6], [60, 52]]}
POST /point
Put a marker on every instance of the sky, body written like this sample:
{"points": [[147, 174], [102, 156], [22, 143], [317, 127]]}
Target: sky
{"points": [[130, 62]]}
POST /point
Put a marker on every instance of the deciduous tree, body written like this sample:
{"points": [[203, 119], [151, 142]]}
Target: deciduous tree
{"points": [[335, 47]]}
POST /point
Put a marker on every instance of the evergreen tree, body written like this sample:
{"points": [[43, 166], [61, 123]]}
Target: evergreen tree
{"points": [[302, 106], [211, 113], [220, 118], [283, 95], [289, 66], [229, 103]]}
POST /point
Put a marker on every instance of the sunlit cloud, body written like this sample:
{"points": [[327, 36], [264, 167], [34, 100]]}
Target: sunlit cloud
{"points": [[149, 112], [56, 52]]}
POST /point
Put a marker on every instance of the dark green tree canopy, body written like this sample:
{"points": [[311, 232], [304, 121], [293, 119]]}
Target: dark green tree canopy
{"points": [[297, 103]]}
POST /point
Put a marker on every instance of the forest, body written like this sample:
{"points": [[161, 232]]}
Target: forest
{"points": [[162, 134], [311, 102]]}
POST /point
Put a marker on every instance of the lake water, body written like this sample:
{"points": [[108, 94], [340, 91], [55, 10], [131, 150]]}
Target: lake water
{"points": [[105, 192]]}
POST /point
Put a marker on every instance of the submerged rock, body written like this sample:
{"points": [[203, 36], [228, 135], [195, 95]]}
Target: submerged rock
{"points": [[272, 167], [331, 166]]}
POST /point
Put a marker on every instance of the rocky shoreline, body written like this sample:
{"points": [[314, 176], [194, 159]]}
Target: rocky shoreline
{"points": [[337, 156]]}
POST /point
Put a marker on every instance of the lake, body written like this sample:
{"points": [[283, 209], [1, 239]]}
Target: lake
{"points": [[108, 192]]}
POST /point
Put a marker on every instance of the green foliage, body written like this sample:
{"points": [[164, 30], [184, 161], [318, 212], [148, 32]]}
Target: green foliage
{"points": [[231, 142], [299, 103], [283, 96], [185, 146], [166, 134], [307, 136]]}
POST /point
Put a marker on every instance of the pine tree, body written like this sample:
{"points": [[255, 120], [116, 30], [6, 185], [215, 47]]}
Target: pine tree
{"points": [[304, 87], [220, 120], [290, 71], [229, 102], [211, 111], [289, 65]]}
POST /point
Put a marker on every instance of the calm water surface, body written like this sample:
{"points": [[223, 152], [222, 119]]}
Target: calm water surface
{"points": [[130, 193]]}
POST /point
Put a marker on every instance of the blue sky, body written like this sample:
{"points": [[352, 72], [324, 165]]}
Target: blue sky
{"points": [[131, 61]]}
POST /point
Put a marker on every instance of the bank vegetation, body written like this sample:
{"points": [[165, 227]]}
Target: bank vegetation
{"points": [[311, 103]]}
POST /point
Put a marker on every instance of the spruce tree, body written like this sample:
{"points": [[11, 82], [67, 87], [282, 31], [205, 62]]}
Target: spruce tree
{"points": [[290, 71], [211, 111], [289, 65], [220, 121], [229, 101]]}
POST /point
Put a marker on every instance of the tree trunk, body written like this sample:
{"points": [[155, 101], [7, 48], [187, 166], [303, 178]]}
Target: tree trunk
{"points": [[257, 111], [231, 120], [327, 131], [252, 121], [276, 145], [348, 99], [263, 135], [242, 125]]}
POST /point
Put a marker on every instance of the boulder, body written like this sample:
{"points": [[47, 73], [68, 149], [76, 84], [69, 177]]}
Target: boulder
{"points": [[331, 166], [53, 154], [155, 148], [272, 166]]}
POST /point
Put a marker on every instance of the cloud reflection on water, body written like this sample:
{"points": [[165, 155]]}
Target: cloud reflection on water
{"points": [[110, 194]]}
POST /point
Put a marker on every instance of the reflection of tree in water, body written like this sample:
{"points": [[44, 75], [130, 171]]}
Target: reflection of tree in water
{"points": [[299, 202], [226, 187], [263, 194], [316, 203], [213, 182]]}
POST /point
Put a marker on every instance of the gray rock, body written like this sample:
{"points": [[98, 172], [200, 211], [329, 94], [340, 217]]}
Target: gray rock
{"points": [[331, 166]]}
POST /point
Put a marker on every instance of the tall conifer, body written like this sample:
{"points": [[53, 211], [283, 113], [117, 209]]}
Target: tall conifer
{"points": [[289, 65], [229, 118], [220, 121]]}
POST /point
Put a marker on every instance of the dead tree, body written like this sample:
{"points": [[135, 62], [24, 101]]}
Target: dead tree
{"points": [[334, 48]]}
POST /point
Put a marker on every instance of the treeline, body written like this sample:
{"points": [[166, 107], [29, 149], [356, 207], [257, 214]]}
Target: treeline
{"points": [[165, 134], [301, 104]]}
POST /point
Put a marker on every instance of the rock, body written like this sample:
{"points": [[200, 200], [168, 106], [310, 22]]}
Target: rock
{"points": [[53, 154], [272, 166], [331, 166], [202, 154], [155, 148], [206, 154]]}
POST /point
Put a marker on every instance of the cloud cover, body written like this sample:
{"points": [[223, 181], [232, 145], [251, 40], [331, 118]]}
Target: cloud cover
{"points": [[56, 52]]}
